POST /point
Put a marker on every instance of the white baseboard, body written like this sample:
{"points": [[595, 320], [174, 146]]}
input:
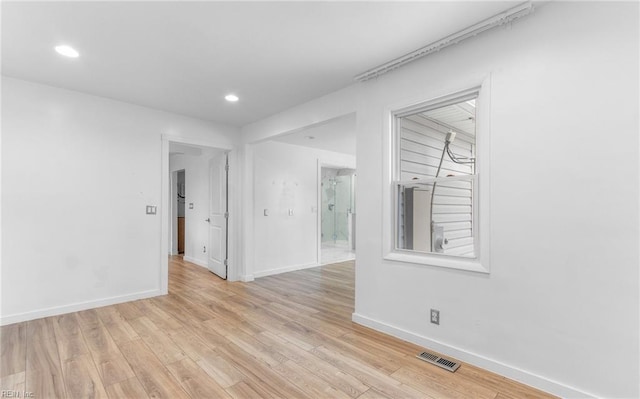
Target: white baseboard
{"points": [[270, 272], [195, 261], [76, 307], [333, 261], [523, 376], [247, 278]]}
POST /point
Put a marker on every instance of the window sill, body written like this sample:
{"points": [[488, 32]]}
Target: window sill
{"points": [[471, 265]]}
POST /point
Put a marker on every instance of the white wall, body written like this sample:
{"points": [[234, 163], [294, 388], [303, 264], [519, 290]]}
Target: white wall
{"points": [[317, 112], [286, 177], [562, 295], [77, 172], [196, 168]]}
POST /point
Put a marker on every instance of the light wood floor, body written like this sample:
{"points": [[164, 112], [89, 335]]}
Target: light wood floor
{"points": [[285, 336]]}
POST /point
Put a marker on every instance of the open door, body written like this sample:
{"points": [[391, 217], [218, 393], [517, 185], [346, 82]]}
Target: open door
{"points": [[218, 215]]}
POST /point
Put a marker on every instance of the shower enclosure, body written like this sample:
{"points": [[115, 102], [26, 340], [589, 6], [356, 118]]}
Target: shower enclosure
{"points": [[337, 214]]}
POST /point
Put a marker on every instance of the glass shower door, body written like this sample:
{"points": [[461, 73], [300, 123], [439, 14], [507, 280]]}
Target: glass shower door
{"points": [[337, 209], [342, 210]]}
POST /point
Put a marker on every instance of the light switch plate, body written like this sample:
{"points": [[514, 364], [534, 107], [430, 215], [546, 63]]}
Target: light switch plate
{"points": [[151, 209], [190, 205]]}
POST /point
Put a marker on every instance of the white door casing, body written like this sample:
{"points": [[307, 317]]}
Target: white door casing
{"points": [[217, 259]]}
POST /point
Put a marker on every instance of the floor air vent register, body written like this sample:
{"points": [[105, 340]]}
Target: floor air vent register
{"points": [[439, 361]]}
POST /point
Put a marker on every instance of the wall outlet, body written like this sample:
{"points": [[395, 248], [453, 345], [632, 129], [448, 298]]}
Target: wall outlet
{"points": [[204, 249], [435, 316]]}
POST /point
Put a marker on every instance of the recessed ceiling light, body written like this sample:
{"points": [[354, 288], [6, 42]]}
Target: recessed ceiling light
{"points": [[67, 51], [232, 98], [310, 137]]}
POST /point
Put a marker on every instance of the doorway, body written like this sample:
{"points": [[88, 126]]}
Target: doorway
{"points": [[197, 195], [180, 210], [337, 215]]}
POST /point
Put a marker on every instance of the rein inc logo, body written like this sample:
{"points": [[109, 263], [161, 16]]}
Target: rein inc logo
{"points": [[16, 394]]}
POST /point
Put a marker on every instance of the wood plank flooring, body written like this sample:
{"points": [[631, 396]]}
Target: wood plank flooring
{"points": [[284, 336]]}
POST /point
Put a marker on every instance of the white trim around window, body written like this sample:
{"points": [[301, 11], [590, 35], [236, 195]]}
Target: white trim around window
{"points": [[482, 178]]}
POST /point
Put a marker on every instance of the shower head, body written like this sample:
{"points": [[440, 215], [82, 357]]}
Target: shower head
{"points": [[451, 136]]}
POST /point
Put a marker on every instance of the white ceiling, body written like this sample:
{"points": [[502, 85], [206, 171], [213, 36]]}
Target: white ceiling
{"points": [[183, 57], [338, 135]]}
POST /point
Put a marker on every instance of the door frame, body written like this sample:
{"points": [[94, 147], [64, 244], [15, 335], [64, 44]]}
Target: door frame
{"points": [[165, 203]]}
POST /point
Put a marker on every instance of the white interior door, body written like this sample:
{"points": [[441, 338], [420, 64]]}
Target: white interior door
{"points": [[217, 219]]}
